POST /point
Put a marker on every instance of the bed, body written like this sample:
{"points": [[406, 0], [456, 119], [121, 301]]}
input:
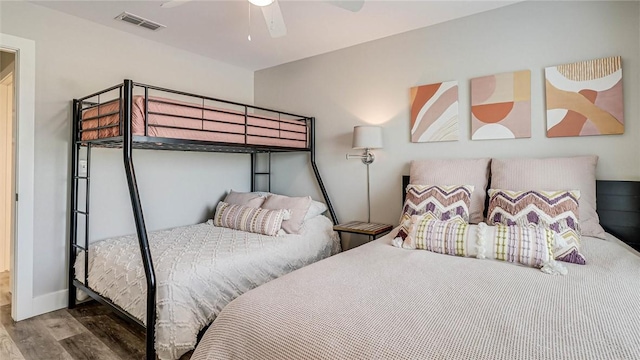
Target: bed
{"points": [[379, 301], [120, 273], [199, 268]]}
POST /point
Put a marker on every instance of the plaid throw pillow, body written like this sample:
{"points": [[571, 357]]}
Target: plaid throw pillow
{"points": [[554, 210], [446, 203], [255, 220]]}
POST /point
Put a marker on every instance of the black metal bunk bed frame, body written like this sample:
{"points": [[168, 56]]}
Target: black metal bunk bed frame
{"points": [[128, 141]]}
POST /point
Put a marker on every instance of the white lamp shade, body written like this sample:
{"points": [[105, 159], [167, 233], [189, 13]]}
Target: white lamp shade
{"points": [[261, 2], [367, 137]]}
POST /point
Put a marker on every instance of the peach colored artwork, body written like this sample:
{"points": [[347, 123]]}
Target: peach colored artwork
{"points": [[585, 98], [501, 106], [434, 112]]}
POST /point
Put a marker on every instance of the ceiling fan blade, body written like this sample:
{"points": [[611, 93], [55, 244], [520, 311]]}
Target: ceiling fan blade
{"points": [[351, 5], [275, 21], [173, 3]]}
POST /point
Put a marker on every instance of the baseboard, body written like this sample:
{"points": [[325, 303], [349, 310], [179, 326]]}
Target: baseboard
{"points": [[50, 302]]}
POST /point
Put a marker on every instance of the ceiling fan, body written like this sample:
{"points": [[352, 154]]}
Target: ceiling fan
{"points": [[273, 15]]}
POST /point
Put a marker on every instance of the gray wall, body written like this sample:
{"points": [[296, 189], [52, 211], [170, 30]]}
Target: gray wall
{"points": [[77, 57], [370, 83]]}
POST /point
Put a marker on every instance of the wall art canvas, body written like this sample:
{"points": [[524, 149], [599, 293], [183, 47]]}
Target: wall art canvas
{"points": [[501, 106], [585, 98], [434, 112]]}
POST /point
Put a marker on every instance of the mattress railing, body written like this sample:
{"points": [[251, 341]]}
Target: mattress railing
{"points": [[128, 141], [224, 124]]}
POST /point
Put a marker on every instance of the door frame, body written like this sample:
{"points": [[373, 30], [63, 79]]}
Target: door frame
{"points": [[22, 258], [6, 95]]}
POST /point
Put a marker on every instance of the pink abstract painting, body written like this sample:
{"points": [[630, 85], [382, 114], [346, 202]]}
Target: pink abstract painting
{"points": [[501, 106], [434, 112], [585, 98]]}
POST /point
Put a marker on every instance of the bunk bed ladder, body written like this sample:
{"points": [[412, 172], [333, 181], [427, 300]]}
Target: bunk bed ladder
{"points": [[75, 210], [255, 173]]}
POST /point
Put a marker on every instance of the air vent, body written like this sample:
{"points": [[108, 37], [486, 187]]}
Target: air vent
{"points": [[139, 21]]}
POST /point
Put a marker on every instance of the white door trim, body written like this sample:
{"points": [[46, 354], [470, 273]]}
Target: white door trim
{"points": [[6, 106], [25, 86]]}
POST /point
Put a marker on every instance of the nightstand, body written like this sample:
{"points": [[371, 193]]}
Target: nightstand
{"points": [[372, 230]]}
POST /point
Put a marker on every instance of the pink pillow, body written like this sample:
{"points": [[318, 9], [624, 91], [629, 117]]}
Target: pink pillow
{"points": [[298, 206], [575, 173], [456, 171], [246, 199], [446, 203]]}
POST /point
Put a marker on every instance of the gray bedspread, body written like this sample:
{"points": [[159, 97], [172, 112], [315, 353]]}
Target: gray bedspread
{"points": [[381, 302]]}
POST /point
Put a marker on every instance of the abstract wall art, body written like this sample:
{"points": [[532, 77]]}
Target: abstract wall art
{"points": [[585, 98], [501, 106], [434, 112]]}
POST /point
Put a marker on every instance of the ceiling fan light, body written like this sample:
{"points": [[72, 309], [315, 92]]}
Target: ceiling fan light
{"points": [[261, 2]]}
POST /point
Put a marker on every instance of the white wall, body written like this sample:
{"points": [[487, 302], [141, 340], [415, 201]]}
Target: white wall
{"points": [[370, 83], [75, 58]]}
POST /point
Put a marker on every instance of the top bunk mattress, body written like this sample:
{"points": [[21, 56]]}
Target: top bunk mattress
{"points": [[168, 118]]}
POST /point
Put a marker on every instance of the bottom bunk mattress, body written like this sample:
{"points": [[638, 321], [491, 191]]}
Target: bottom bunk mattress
{"points": [[199, 269], [381, 302]]}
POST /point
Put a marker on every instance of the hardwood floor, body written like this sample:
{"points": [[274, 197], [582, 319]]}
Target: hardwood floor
{"points": [[5, 295], [88, 332]]}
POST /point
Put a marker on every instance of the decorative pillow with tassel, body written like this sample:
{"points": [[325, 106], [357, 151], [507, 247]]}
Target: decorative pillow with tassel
{"points": [[245, 218], [554, 210], [447, 203], [527, 245]]}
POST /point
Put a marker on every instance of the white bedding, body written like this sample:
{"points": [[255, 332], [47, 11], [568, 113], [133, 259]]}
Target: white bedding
{"points": [[199, 269], [381, 302]]}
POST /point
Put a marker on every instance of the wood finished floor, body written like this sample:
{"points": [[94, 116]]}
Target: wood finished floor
{"points": [[5, 295], [88, 332]]}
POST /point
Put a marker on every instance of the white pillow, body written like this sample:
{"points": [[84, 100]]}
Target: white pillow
{"points": [[316, 209]]}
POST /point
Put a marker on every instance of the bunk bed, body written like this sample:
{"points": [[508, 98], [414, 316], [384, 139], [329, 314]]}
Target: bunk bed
{"points": [[130, 116]]}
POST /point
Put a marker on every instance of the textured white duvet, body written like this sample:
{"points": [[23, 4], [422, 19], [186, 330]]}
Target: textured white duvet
{"points": [[199, 269], [381, 302]]}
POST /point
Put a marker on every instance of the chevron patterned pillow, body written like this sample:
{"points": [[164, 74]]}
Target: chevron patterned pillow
{"points": [[555, 210], [447, 203]]}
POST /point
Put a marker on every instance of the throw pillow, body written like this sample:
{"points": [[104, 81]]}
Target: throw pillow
{"points": [[555, 210], [245, 218]]}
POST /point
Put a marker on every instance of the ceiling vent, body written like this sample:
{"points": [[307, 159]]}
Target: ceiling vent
{"points": [[139, 21]]}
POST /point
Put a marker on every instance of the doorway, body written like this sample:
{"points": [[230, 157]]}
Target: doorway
{"points": [[7, 175]]}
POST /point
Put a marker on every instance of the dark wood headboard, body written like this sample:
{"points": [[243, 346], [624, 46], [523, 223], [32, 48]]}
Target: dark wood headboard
{"points": [[618, 208]]}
